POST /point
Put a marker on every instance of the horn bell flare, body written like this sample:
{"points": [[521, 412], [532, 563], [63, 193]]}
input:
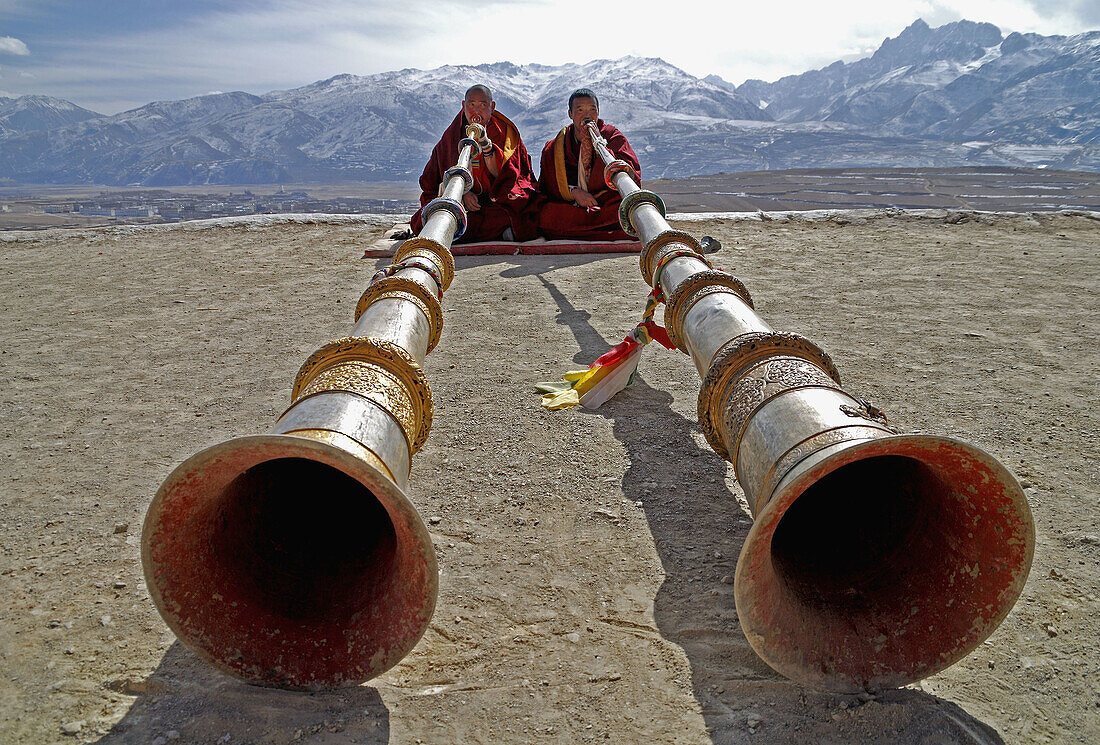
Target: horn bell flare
{"points": [[289, 562], [878, 564]]}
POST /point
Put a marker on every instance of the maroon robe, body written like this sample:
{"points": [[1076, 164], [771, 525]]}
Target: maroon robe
{"points": [[559, 215], [504, 200]]}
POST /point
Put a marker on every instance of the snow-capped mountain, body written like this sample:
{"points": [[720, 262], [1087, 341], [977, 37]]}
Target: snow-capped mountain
{"points": [[30, 113], [351, 127], [961, 81], [954, 95]]}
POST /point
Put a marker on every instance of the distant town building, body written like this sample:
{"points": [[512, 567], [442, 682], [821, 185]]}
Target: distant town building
{"points": [[139, 211]]}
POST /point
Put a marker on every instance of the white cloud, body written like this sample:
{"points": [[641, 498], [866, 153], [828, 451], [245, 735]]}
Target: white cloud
{"points": [[11, 45], [263, 45], [1047, 17]]}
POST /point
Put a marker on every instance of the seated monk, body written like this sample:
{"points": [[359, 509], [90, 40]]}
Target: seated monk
{"points": [[577, 202], [504, 182]]}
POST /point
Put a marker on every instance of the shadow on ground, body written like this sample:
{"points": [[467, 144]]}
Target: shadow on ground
{"points": [[187, 700], [699, 527]]}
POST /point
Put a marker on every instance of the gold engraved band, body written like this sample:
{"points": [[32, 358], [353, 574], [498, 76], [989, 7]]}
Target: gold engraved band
{"points": [[734, 359], [692, 290], [805, 449], [433, 251], [375, 369], [353, 446], [405, 288], [661, 244]]}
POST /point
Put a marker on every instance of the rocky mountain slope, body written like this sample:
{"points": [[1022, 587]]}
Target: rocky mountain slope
{"points": [[954, 95], [31, 113], [958, 82]]}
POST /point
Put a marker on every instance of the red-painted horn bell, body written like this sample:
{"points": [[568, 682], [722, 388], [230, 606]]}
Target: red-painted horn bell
{"points": [[884, 562], [289, 562]]}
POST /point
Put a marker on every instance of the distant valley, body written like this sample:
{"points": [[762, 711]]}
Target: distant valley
{"points": [[962, 190]]}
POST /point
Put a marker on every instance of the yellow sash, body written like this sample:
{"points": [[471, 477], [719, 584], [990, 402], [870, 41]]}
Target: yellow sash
{"points": [[559, 165], [559, 168], [511, 135]]}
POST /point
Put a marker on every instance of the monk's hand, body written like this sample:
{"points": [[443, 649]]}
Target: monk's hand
{"points": [[477, 132], [469, 201], [584, 199]]}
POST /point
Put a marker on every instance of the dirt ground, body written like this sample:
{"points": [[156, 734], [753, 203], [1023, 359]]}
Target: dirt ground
{"points": [[585, 556]]}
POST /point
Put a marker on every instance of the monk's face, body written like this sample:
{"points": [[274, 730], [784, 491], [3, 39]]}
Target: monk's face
{"points": [[478, 108], [583, 108]]}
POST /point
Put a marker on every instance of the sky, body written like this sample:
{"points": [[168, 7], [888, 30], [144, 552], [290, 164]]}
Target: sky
{"points": [[110, 56]]}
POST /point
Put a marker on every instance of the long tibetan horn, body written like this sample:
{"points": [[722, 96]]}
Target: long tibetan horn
{"points": [[875, 558], [294, 558]]}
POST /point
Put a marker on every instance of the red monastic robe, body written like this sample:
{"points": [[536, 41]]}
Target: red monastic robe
{"points": [[504, 200], [559, 215]]}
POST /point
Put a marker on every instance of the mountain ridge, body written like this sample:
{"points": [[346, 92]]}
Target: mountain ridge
{"points": [[958, 94]]}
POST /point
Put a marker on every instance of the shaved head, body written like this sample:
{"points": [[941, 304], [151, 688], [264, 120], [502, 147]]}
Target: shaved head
{"points": [[482, 89]]}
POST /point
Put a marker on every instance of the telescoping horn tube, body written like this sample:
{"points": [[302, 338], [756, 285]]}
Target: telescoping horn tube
{"points": [[875, 558], [294, 558]]}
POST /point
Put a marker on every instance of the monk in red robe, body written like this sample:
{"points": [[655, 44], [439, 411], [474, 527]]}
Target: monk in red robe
{"points": [[504, 182], [576, 201]]}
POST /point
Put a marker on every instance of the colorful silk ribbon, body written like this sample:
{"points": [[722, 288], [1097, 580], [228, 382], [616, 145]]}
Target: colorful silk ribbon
{"points": [[612, 371]]}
